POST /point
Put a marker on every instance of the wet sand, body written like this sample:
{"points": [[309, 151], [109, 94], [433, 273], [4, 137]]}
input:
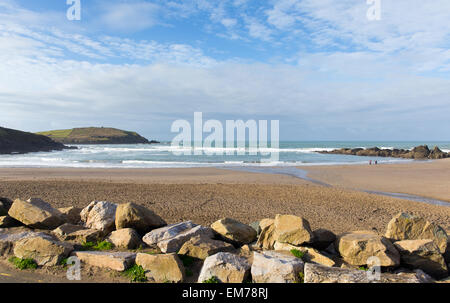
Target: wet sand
{"points": [[427, 179], [207, 194]]}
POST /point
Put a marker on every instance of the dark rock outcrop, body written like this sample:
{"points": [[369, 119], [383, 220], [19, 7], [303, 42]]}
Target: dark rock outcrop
{"points": [[419, 152], [18, 142]]}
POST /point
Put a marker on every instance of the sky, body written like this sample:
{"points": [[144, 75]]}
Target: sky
{"points": [[323, 68]]}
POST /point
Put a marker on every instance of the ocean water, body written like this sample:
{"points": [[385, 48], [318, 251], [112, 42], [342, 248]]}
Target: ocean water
{"points": [[162, 155]]}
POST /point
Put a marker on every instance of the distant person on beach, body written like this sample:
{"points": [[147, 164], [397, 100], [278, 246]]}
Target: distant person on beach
{"points": [[370, 162], [376, 162]]}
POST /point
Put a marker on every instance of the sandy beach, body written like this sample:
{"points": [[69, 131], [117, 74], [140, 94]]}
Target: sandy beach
{"points": [[208, 194]]}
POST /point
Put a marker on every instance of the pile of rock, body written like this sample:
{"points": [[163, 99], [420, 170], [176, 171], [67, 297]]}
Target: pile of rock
{"points": [[283, 249], [419, 152]]}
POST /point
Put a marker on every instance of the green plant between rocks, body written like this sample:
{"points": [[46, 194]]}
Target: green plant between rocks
{"points": [[100, 245], [212, 280], [187, 260], [301, 277], [23, 263], [297, 253], [136, 273]]}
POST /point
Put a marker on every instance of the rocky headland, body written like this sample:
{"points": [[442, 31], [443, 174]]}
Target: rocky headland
{"points": [[96, 135], [133, 240], [419, 152], [19, 142]]}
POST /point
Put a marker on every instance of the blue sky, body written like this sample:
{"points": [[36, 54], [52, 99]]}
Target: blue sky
{"points": [[321, 67]]}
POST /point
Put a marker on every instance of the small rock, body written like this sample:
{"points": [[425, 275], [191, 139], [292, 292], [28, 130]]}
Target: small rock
{"points": [[162, 268], [138, 217], [357, 247], [201, 247], [7, 221], [322, 238], [175, 243], [311, 254], [234, 231], [43, 250], [226, 268], [77, 233], [275, 267], [164, 233], [292, 230], [10, 236], [99, 215], [71, 214], [267, 238], [118, 261], [35, 213], [408, 227], [424, 255], [125, 238], [316, 273]]}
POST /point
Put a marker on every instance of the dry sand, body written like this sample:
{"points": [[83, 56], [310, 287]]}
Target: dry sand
{"points": [[206, 194]]}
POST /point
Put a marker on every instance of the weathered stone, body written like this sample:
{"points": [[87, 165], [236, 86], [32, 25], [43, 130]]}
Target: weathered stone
{"points": [[311, 254], [119, 261], [175, 243], [77, 233], [447, 252], [267, 239], [10, 236], [423, 254], [35, 213], [71, 214], [357, 247], [201, 247], [260, 225], [164, 233], [276, 267], [99, 215], [7, 221], [292, 230], [408, 227], [125, 238], [322, 238], [5, 205], [162, 268], [226, 268], [43, 250], [316, 273], [234, 231], [138, 217]]}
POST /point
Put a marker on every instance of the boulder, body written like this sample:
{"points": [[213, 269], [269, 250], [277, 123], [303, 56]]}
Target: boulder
{"points": [[423, 254], [118, 261], [311, 254], [322, 238], [43, 250], [174, 244], [234, 231], [71, 214], [226, 268], [164, 233], [77, 233], [316, 273], [162, 268], [267, 238], [408, 227], [10, 236], [99, 215], [201, 247], [275, 267], [292, 230], [125, 238], [5, 205], [35, 213], [143, 220], [260, 225], [7, 221], [436, 153], [357, 247]]}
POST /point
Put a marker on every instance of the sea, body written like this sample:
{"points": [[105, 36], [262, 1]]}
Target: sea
{"points": [[164, 155]]}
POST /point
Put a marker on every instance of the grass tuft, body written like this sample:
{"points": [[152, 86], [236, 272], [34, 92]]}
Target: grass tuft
{"points": [[136, 273], [100, 245], [212, 280], [297, 253], [23, 263], [187, 260]]}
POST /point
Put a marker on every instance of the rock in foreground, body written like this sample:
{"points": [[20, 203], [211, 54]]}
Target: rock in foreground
{"points": [[35, 213], [226, 268], [276, 267], [162, 268]]}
